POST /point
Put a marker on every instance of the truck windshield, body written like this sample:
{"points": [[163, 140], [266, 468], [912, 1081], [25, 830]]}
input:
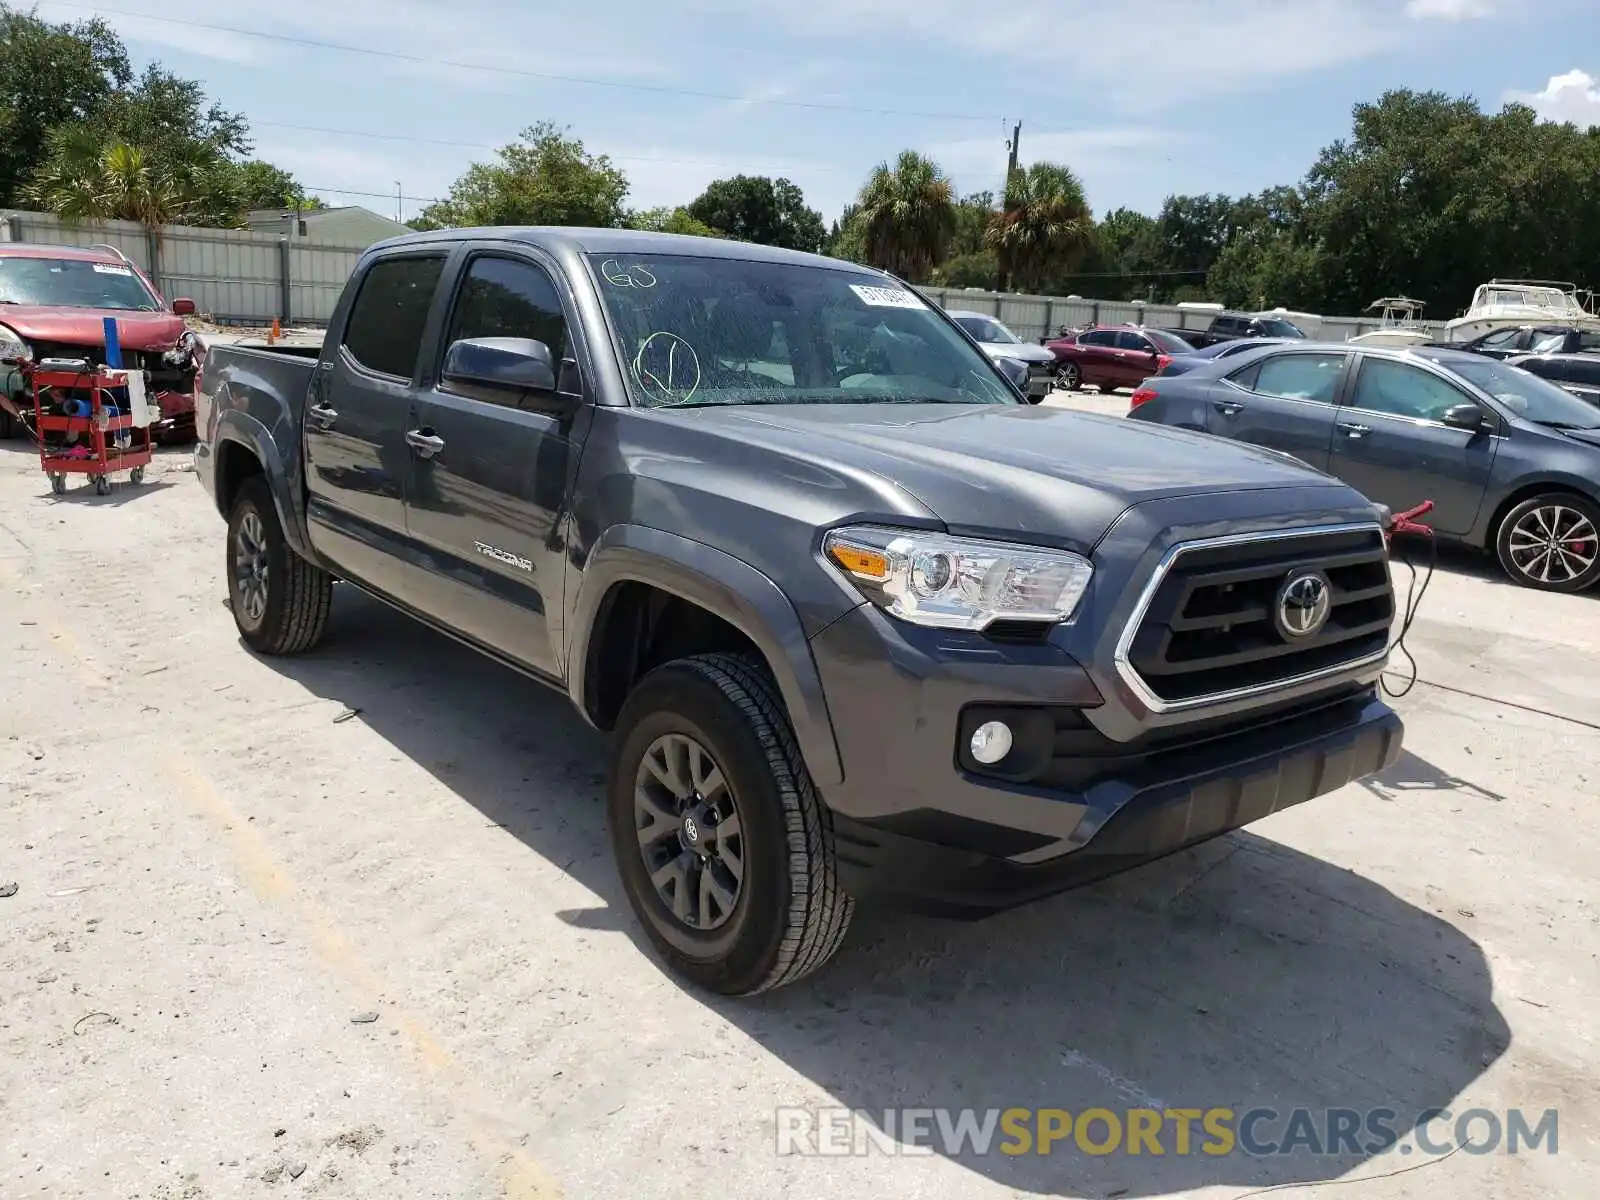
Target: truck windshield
{"points": [[700, 330], [73, 283], [1277, 327]]}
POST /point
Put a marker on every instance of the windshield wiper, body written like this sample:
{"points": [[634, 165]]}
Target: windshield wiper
{"points": [[1564, 425]]}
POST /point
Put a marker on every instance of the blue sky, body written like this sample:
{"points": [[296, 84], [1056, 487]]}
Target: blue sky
{"points": [[1141, 99]]}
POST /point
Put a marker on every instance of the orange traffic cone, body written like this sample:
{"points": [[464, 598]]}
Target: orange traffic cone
{"points": [[275, 333]]}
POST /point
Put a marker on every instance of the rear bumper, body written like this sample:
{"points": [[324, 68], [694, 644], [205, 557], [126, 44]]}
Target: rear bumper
{"points": [[1149, 819]]}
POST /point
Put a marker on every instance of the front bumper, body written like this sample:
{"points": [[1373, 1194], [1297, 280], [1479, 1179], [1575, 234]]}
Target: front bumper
{"points": [[918, 827]]}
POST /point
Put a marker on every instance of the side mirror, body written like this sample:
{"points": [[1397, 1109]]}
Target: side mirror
{"points": [[517, 364], [183, 307], [1466, 416]]}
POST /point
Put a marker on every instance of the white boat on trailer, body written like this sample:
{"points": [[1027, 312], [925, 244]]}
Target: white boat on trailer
{"points": [[1400, 325], [1505, 303]]}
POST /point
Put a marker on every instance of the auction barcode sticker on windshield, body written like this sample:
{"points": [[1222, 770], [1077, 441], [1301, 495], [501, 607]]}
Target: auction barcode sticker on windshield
{"points": [[886, 297], [111, 269]]}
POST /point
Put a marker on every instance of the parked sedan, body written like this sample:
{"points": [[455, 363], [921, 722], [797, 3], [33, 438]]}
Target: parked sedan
{"points": [[1000, 344], [1184, 363], [1113, 356], [1511, 462], [1533, 339], [1578, 373]]}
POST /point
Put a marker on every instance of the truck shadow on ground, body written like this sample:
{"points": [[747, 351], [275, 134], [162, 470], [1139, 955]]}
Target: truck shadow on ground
{"points": [[1242, 975]]}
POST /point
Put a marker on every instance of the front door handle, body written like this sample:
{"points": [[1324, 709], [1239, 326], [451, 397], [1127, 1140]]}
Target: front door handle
{"points": [[425, 442], [1355, 431], [322, 417], [1229, 408]]}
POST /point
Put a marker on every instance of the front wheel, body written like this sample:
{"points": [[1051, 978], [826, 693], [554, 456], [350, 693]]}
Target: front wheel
{"points": [[1069, 377], [280, 602], [724, 847], [1552, 543]]}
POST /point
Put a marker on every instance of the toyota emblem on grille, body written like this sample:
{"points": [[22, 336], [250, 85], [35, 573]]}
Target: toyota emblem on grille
{"points": [[1304, 602]]}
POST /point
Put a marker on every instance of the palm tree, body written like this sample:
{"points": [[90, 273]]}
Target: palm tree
{"points": [[907, 216], [1043, 227], [84, 179]]}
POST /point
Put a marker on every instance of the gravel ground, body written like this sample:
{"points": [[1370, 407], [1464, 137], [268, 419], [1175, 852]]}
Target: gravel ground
{"points": [[225, 866]]}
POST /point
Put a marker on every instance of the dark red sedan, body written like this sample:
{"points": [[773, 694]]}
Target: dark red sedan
{"points": [[1113, 356]]}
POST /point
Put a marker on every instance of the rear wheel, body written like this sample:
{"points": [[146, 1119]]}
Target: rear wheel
{"points": [[1551, 542], [724, 847], [280, 602]]}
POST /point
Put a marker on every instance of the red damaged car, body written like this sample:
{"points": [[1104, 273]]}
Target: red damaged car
{"points": [[1113, 356], [53, 304]]}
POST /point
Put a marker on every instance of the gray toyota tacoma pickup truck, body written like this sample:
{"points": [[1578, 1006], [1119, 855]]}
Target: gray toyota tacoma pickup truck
{"points": [[865, 624]]}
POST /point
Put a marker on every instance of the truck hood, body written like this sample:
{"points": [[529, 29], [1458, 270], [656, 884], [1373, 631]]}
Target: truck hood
{"points": [[1056, 475], [83, 326]]}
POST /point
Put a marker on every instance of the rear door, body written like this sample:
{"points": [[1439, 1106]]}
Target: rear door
{"points": [[355, 422], [1137, 359], [1391, 445], [1284, 401], [491, 469]]}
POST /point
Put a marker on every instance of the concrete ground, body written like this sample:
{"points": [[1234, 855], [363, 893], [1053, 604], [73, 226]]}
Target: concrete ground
{"points": [[225, 866]]}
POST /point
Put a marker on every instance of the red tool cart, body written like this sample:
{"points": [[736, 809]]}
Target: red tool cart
{"points": [[84, 423]]}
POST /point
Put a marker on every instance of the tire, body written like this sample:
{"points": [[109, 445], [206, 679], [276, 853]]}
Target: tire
{"points": [[289, 614], [1069, 376], [1551, 542], [788, 913]]}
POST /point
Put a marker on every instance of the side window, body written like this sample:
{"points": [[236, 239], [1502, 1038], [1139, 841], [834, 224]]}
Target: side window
{"points": [[1099, 337], [1127, 339], [506, 297], [1405, 391], [1228, 325], [1542, 367], [384, 332], [1503, 340], [1301, 377], [1547, 341]]}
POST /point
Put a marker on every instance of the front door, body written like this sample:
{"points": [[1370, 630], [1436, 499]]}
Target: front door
{"points": [[1391, 445], [355, 423], [1285, 402], [487, 506]]}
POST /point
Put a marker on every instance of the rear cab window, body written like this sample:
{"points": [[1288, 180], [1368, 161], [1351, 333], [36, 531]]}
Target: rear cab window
{"points": [[383, 333]]}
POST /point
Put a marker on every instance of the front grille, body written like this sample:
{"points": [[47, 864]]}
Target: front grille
{"points": [[1211, 626], [95, 354]]}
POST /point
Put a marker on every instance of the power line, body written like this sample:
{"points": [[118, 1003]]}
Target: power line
{"points": [[521, 72], [458, 145], [333, 191]]}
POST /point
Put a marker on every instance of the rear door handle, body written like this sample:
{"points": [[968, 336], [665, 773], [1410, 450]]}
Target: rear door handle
{"points": [[322, 416], [1355, 431], [1229, 408], [425, 442]]}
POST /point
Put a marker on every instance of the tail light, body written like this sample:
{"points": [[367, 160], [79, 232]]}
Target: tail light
{"points": [[1142, 395], [1163, 361]]}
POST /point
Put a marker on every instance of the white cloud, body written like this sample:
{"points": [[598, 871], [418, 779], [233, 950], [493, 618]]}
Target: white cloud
{"points": [[1573, 97], [1450, 10]]}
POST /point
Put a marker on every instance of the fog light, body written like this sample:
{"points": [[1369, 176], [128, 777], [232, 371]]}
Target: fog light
{"points": [[991, 742]]}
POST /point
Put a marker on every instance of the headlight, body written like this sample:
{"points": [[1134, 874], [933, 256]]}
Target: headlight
{"points": [[12, 347], [958, 583]]}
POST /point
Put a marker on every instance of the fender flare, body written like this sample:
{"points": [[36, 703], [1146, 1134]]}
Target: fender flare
{"points": [[234, 425], [732, 590]]}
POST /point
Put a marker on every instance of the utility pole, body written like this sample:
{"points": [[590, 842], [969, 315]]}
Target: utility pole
{"points": [[1016, 146], [399, 204]]}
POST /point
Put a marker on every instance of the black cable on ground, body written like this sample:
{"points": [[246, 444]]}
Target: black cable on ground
{"points": [[1414, 596]]}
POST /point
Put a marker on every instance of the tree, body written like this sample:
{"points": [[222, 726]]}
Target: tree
{"points": [[50, 75], [83, 180], [753, 208], [907, 216], [1043, 228], [262, 185], [544, 178], [974, 215], [847, 237], [670, 220]]}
